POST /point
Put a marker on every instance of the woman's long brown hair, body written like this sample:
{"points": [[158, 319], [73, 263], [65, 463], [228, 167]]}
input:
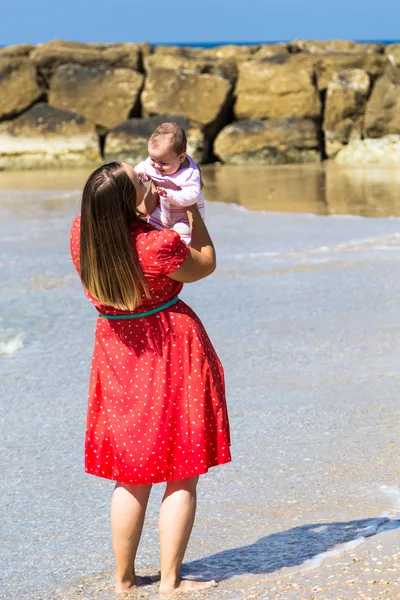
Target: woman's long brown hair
{"points": [[108, 265]]}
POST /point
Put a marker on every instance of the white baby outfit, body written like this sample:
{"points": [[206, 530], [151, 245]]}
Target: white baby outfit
{"points": [[183, 189]]}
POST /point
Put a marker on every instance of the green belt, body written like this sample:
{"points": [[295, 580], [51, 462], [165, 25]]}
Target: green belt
{"points": [[143, 314]]}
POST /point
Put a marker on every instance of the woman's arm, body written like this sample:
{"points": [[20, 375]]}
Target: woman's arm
{"points": [[201, 260], [150, 202]]}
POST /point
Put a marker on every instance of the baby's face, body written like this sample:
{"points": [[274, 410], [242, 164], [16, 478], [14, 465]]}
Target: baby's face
{"points": [[164, 159]]}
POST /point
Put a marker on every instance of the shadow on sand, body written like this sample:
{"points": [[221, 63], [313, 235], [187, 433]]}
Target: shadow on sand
{"points": [[285, 549]]}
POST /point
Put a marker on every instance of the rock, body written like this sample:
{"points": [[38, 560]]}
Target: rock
{"points": [[47, 137], [344, 108], [393, 54], [191, 63], [19, 87], [128, 141], [281, 86], [12, 51], [382, 116], [184, 51], [268, 50], [204, 99], [273, 142], [48, 57], [221, 61], [329, 64], [382, 151], [230, 51], [322, 47], [104, 96]]}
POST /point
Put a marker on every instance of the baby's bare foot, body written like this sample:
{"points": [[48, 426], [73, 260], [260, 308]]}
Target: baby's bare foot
{"points": [[186, 585]]}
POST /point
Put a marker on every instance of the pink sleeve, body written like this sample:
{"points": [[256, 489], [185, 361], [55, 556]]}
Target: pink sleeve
{"points": [[141, 169], [171, 251], [190, 191]]}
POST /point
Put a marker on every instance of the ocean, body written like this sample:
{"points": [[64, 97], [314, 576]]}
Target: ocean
{"points": [[253, 43], [303, 310]]}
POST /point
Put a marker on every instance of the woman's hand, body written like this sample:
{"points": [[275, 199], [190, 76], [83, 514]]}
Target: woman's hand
{"points": [[191, 211], [201, 260], [151, 200]]}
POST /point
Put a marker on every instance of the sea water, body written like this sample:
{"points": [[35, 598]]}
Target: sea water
{"points": [[303, 310]]}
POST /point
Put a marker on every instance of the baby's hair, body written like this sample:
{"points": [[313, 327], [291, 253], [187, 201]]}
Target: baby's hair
{"points": [[174, 132]]}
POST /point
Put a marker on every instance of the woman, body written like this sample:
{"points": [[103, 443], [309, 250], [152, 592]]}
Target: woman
{"points": [[156, 409]]}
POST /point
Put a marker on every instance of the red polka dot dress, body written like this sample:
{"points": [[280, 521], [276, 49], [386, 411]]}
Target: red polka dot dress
{"points": [[156, 407]]}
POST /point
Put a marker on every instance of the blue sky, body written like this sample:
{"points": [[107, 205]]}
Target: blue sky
{"points": [[203, 21]]}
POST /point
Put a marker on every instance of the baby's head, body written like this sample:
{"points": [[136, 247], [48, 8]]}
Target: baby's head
{"points": [[167, 148]]}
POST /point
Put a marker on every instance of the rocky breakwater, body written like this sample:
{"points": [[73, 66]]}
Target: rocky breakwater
{"points": [[66, 103]]}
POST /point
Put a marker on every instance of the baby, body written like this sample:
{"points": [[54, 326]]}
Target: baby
{"points": [[176, 177]]}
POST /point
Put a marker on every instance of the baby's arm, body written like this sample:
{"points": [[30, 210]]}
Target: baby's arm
{"points": [[189, 193], [141, 170]]}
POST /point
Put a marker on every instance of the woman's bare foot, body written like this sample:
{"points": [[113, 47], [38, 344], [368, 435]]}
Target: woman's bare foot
{"points": [[186, 585], [123, 585]]}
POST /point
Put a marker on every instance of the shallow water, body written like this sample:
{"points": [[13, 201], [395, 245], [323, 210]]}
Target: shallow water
{"points": [[304, 312], [323, 189]]}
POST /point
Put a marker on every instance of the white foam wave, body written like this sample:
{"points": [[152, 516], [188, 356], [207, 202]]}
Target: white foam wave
{"points": [[376, 244], [392, 493], [371, 529], [319, 559], [12, 345]]}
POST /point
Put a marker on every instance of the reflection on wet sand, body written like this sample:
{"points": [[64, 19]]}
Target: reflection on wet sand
{"points": [[63, 179], [324, 189]]}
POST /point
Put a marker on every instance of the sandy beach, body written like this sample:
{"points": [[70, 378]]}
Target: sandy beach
{"points": [[304, 312]]}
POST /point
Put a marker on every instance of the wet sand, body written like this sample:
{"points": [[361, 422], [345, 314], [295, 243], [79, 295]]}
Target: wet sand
{"points": [[304, 311], [322, 189]]}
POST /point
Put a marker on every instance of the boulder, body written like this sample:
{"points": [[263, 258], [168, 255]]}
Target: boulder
{"points": [[221, 53], [47, 137], [382, 116], [381, 151], [329, 64], [20, 50], [268, 50], [104, 96], [183, 51], [204, 99], [281, 86], [325, 46], [344, 108], [19, 87], [273, 142], [191, 63], [230, 51], [128, 141], [48, 57], [220, 61], [393, 54]]}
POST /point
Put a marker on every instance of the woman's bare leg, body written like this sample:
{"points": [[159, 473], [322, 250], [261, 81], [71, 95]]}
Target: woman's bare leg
{"points": [[177, 514], [128, 509]]}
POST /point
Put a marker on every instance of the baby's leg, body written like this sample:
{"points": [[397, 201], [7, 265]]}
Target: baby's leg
{"points": [[183, 229], [160, 218], [180, 220]]}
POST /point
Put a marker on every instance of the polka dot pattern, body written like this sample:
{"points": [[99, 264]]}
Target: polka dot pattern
{"points": [[156, 406]]}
